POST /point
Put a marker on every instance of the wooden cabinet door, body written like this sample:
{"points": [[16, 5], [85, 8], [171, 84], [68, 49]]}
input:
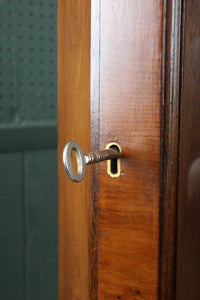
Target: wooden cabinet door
{"points": [[119, 81]]}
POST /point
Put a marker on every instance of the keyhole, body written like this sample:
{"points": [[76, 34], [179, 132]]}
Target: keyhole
{"points": [[114, 165]]}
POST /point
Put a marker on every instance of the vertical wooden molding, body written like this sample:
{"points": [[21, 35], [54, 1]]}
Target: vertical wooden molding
{"points": [[170, 144], [94, 120]]}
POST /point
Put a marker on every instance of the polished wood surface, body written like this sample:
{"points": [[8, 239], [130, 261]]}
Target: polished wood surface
{"points": [[131, 35], [188, 248], [73, 124], [169, 147]]}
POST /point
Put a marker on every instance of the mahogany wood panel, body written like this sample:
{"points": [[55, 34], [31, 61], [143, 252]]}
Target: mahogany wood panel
{"points": [[73, 124], [131, 35], [188, 248]]}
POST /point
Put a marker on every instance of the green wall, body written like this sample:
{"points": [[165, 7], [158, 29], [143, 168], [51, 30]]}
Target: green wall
{"points": [[28, 150]]}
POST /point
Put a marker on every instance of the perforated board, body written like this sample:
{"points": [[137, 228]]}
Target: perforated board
{"points": [[27, 62]]}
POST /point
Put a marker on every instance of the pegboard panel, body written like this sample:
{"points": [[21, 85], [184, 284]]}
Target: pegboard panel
{"points": [[28, 40]]}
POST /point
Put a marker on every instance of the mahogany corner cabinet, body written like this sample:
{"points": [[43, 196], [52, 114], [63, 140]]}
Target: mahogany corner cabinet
{"points": [[129, 86]]}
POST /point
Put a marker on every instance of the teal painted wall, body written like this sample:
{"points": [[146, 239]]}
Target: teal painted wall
{"points": [[28, 150]]}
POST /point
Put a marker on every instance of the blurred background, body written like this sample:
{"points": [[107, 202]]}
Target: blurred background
{"points": [[28, 150]]}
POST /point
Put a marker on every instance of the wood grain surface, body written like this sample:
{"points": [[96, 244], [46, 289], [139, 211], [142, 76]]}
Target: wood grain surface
{"points": [[188, 248], [131, 35], [129, 96], [73, 124]]}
